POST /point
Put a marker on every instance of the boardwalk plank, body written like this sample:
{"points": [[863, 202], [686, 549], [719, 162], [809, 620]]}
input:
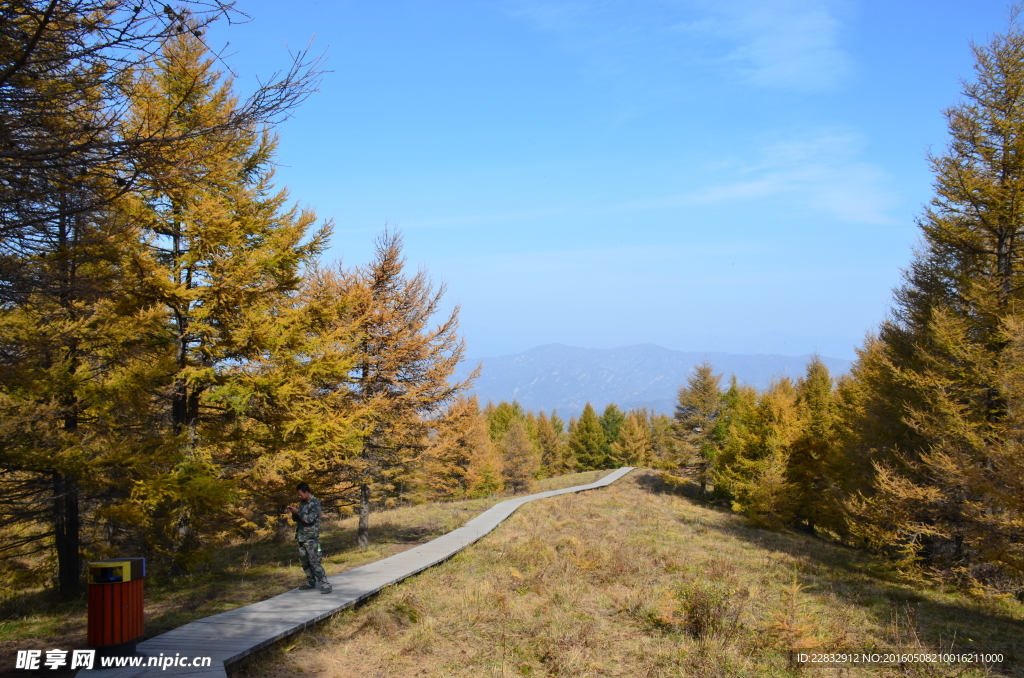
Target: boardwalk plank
{"points": [[230, 636]]}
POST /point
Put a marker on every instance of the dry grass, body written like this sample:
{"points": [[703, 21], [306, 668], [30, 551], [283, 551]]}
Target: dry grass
{"points": [[634, 581], [242, 574]]}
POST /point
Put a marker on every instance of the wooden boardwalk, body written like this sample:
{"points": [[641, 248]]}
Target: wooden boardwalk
{"points": [[234, 635]]}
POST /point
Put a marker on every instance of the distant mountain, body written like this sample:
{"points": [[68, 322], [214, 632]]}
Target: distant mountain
{"points": [[566, 377]]}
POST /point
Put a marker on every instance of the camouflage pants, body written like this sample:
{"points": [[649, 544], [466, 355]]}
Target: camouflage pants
{"points": [[310, 560]]}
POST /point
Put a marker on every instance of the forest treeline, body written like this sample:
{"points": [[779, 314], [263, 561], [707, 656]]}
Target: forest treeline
{"points": [[810, 454], [175, 354]]}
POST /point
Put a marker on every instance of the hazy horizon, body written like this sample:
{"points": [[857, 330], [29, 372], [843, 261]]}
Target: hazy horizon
{"points": [[471, 356], [557, 376]]}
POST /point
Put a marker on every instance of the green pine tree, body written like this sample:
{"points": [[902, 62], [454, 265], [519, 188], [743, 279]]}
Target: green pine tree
{"points": [[551, 445], [813, 457], [587, 441], [698, 406], [612, 420], [754, 465], [501, 416], [635, 443]]}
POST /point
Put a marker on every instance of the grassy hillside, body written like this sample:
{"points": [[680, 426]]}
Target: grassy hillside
{"points": [[241, 574], [634, 581]]}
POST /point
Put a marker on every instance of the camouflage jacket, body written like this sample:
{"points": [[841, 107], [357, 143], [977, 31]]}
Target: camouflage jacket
{"points": [[307, 520]]}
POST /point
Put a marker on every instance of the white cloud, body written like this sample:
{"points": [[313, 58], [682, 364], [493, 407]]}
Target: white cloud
{"points": [[819, 173], [779, 44], [788, 44], [826, 172], [822, 172]]}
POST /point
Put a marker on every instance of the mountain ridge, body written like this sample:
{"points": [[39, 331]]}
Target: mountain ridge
{"points": [[556, 376]]}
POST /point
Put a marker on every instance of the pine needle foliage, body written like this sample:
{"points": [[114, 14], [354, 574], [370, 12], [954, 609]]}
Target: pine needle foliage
{"points": [[552, 442], [698, 406], [402, 377], [461, 461], [587, 441], [635, 443], [223, 256], [520, 458], [935, 410], [501, 416], [612, 420]]}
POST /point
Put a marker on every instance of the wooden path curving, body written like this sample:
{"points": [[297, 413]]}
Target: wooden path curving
{"points": [[230, 636]]}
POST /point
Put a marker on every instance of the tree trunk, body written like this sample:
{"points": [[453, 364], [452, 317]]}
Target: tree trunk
{"points": [[186, 543], [363, 536], [66, 528], [65, 491]]}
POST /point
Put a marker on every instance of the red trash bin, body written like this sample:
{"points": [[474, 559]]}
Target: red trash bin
{"points": [[115, 605]]}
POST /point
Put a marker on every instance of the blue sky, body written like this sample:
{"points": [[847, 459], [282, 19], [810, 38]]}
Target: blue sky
{"points": [[736, 176]]}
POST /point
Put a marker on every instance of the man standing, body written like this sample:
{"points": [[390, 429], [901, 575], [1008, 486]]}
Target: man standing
{"points": [[307, 533]]}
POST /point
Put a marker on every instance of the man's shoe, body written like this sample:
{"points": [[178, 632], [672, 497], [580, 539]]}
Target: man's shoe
{"points": [[307, 587], [326, 590]]}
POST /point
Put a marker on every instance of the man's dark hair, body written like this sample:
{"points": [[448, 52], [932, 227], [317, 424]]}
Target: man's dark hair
{"points": [[303, 487]]}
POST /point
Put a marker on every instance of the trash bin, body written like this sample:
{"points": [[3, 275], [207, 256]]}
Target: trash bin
{"points": [[115, 605]]}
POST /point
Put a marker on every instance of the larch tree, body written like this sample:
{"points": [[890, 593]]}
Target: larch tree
{"points": [[66, 72], [224, 256], [612, 420], [587, 441], [520, 459], [69, 160], [813, 460], [667, 452], [756, 470], [635, 443], [501, 416], [733, 433], [75, 363], [458, 444], [697, 408], [566, 462], [65, 318], [299, 420], [551, 444], [485, 475], [402, 377], [937, 410]]}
